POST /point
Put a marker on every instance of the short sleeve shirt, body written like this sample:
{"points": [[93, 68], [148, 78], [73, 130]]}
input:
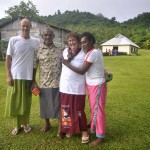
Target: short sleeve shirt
{"points": [[22, 52], [95, 74], [72, 82], [49, 61]]}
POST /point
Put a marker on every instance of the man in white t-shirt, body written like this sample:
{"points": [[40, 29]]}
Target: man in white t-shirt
{"points": [[19, 67]]}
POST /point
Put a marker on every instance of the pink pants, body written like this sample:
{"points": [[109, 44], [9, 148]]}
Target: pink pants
{"points": [[97, 99]]}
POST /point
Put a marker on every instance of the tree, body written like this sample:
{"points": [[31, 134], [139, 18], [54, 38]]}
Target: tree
{"points": [[59, 12], [100, 15], [113, 19], [24, 10]]}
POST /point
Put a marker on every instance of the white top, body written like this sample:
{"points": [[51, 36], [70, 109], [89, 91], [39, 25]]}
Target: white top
{"points": [[22, 52], [95, 74], [71, 82]]}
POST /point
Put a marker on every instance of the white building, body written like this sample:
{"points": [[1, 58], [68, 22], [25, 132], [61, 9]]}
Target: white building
{"points": [[120, 43]]}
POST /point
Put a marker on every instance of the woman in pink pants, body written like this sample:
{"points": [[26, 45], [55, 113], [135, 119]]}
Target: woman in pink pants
{"points": [[93, 68]]}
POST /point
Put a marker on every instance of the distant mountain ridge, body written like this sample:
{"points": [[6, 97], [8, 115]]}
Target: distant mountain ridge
{"points": [[136, 29], [89, 19], [78, 18]]}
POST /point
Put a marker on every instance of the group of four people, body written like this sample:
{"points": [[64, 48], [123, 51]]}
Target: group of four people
{"points": [[64, 77]]}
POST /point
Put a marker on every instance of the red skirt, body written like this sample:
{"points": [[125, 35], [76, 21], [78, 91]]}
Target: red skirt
{"points": [[73, 117]]}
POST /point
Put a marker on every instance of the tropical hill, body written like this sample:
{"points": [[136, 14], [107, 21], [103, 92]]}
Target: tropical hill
{"points": [[136, 29]]}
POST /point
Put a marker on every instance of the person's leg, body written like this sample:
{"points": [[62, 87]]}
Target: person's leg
{"points": [[21, 121], [59, 133], [46, 108], [24, 121], [100, 118], [16, 124], [92, 94], [46, 127], [26, 98], [82, 120], [69, 115]]}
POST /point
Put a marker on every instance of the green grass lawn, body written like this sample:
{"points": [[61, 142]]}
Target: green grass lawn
{"points": [[127, 110]]}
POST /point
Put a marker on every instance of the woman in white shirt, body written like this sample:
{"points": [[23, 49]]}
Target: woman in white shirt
{"points": [[73, 91], [93, 68]]}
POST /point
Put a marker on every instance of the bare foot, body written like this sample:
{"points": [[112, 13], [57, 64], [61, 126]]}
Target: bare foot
{"points": [[98, 141], [45, 128]]}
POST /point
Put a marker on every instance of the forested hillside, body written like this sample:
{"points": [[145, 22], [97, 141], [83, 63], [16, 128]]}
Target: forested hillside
{"points": [[80, 18], [136, 29]]}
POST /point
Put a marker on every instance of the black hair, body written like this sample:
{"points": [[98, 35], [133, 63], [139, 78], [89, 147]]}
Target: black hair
{"points": [[89, 36]]}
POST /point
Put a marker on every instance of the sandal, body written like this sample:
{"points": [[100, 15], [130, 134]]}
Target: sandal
{"points": [[15, 131], [60, 135], [68, 135], [85, 139], [26, 128]]}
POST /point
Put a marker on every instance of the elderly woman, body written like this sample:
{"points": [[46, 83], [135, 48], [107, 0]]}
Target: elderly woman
{"points": [[73, 92], [93, 68]]}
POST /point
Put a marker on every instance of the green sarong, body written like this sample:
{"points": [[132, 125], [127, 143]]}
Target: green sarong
{"points": [[18, 101]]}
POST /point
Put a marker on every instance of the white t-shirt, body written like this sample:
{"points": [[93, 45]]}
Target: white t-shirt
{"points": [[95, 74], [71, 82], [22, 52]]}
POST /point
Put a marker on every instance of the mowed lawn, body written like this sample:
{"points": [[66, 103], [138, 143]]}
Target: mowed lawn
{"points": [[127, 110]]}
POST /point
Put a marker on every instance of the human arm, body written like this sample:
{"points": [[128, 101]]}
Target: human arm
{"points": [[35, 66], [85, 66], [34, 75], [34, 80], [10, 80]]}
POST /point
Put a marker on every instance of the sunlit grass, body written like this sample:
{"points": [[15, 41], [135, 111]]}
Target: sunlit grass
{"points": [[127, 110]]}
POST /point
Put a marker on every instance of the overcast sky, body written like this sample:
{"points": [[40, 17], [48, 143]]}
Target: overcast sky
{"points": [[121, 9]]}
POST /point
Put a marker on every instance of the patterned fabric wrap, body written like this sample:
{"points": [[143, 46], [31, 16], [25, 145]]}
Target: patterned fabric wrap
{"points": [[73, 118]]}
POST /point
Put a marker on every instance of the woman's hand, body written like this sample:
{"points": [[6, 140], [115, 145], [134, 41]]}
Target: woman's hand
{"points": [[65, 62]]}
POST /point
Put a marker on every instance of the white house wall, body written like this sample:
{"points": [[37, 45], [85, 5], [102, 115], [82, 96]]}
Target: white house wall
{"points": [[125, 48], [11, 26]]}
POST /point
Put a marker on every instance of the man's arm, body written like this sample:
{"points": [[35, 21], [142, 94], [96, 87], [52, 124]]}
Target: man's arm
{"points": [[10, 80]]}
